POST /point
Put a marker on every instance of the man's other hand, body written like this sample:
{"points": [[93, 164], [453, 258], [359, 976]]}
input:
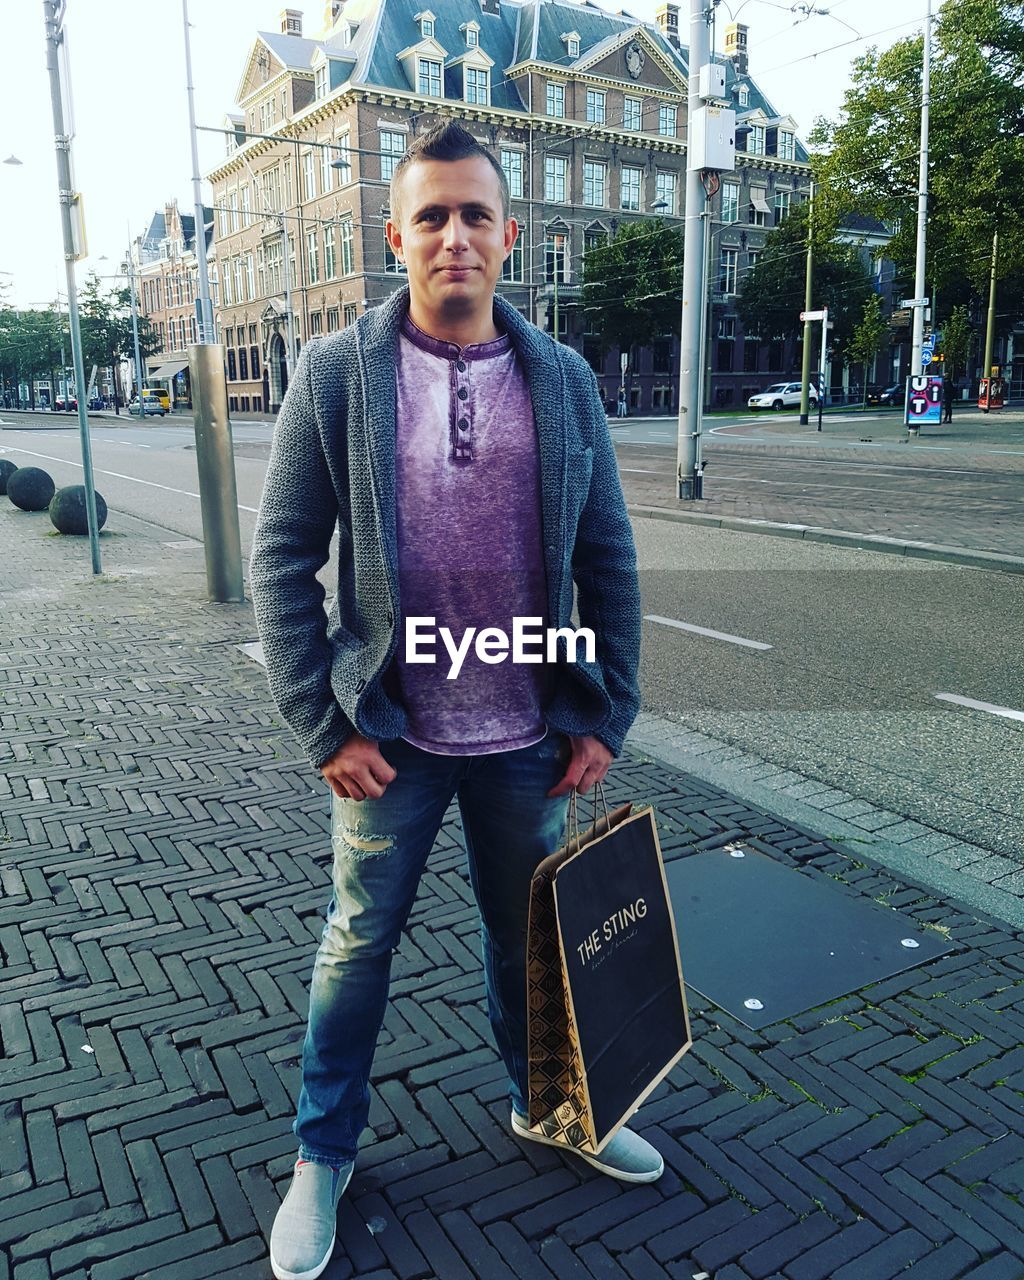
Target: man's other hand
{"points": [[358, 771], [589, 762]]}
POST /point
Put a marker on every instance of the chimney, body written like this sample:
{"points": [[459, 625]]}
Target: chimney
{"points": [[291, 22], [666, 16], [736, 47], [332, 12]]}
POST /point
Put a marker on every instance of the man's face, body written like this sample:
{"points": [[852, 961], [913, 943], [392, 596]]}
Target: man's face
{"points": [[453, 235]]}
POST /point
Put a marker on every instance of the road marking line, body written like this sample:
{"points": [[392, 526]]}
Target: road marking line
{"points": [[990, 707], [117, 475], [704, 631], [642, 471], [135, 443]]}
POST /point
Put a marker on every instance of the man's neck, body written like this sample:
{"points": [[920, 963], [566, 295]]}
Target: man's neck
{"points": [[464, 330]]}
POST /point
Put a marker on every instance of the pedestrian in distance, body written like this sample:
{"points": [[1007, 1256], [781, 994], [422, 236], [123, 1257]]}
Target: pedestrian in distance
{"points": [[622, 410], [464, 458], [948, 396]]}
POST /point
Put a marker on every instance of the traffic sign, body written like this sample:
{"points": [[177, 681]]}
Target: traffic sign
{"points": [[915, 302], [813, 315], [927, 351]]}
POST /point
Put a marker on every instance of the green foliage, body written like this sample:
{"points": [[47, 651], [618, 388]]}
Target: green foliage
{"points": [[868, 154], [771, 296], [957, 337], [869, 336], [632, 284]]}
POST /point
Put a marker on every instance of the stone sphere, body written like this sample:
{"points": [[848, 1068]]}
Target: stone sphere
{"points": [[68, 513], [30, 488], [7, 469]]}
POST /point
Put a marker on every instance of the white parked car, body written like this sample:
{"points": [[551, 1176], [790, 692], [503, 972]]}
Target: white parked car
{"points": [[782, 395]]}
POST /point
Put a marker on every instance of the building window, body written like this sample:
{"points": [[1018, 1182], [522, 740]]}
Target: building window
{"points": [[261, 270], [730, 202], [726, 343], [246, 207], [782, 199], [630, 188], [308, 177], [243, 365], [593, 240], [250, 277], [755, 140], [426, 22], [727, 271], [343, 158], [254, 361], [751, 350], [320, 82], [757, 212], [572, 44], [787, 145], [554, 178], [316, 324], [239, 295], [192, 337], [350, 313], [512, 164], [594, 182], [332, 319], [428, 77], [742, 95], [275, 263], [329, 264], [667, 121], [512, 267], [345, 235], [472, 37], [555, 99], [232, 366], [477, 86], [595, 106], [556, 257], [326, 172], [631, 113], [753, 257], [392, 145], [665, 189]]}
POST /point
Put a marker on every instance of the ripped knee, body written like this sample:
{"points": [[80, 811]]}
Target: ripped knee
{"points": [[361, 844]]}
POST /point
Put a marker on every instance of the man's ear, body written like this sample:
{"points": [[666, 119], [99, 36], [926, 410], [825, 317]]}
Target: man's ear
{"points": [[511, 234], [394, 239]]}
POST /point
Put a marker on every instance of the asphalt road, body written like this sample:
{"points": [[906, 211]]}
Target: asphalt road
{"points": [[855, 648]]}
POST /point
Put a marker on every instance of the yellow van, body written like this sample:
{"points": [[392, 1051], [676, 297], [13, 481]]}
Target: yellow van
{"points": [[161, 395]]}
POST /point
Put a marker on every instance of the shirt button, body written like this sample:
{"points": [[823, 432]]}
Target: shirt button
{"points": [[461, 366], [463, 393], [463, 424]]}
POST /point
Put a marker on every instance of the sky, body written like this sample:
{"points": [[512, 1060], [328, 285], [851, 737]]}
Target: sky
{"points": [[131, 150]]}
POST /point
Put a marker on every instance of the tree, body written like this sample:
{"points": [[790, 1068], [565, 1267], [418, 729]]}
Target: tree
{"points": [[632, 284], [957, 337], [107, 326], [868, 337], [771, 296], [868, 154]]}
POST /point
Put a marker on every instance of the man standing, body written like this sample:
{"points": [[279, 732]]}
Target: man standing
{"points": [[465, 461], [948, 395]]}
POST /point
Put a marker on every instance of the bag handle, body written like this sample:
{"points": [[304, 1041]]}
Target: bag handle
{"points": [[574, 817]]}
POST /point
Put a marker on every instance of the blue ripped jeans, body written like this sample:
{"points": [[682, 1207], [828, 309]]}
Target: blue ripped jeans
{"points": [[380, 850]]}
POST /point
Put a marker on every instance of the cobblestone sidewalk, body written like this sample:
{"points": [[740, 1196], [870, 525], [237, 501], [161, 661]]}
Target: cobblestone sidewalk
{"points": [[163, 867]]}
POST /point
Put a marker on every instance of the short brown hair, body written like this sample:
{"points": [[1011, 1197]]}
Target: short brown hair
{"points": [[446, 141]]}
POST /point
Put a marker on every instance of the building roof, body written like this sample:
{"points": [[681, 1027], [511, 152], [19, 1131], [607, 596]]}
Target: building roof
{"points": [[295, 52]]}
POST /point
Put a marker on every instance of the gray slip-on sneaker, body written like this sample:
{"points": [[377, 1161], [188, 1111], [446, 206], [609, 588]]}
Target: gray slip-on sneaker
{"points": [[302, 1239], [627, 1156]]}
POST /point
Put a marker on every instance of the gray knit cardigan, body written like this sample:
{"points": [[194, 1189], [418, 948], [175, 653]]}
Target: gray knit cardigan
{"points": [[332, 465]]}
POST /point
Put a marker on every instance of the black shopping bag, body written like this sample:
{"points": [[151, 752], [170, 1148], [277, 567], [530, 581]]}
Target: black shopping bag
{"points": [[607, 1016]]}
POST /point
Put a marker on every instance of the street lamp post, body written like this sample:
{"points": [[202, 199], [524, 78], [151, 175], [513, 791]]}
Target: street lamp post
{"points": [[54, 41]]}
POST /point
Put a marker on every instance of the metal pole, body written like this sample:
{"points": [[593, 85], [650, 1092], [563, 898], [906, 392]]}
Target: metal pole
{"points": [[206, 329], [805, 366], [922, 199], [63, 147], [694, 283], [821, 364], [290, 319], [990, 328], [139, 370], [215, 461]]}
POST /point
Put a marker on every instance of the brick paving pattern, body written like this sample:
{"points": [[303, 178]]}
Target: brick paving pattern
{"points": [[164, 874]]}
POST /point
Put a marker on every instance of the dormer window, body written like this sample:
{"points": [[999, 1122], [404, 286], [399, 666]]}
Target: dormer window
{"points": [[477, 85], [742, 95], [426, 20], [572, 43], [471, 30], [320, 82], [428, 77]]}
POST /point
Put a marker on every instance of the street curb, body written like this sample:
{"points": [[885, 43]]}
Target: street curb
{"points": [[652, 741], [839, 537]]}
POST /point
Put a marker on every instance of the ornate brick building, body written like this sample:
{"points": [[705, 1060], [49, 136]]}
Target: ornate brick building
{"points": [[587, 112]]}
